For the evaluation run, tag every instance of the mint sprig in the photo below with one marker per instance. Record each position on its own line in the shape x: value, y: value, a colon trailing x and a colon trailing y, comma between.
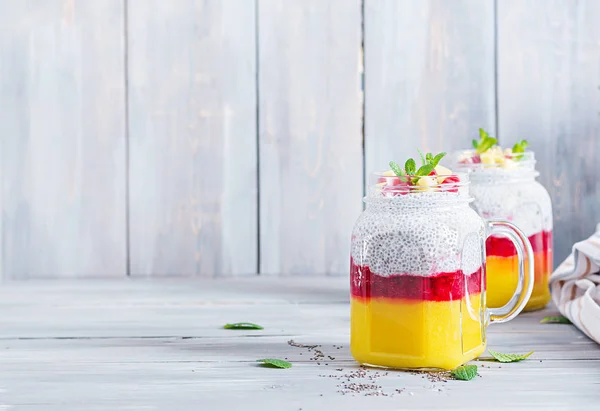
x: 275, y: 363
x: 555, y: 320
x: 242, y: 326
x: 397, y: 169
x: 410, y: 166
x: 429, y: 162
x: 464, y: 373
x: 436, y: 160
x: 509, y: 357
x: 485, y: 142
x: 423, y: 161
x: 520, y: 146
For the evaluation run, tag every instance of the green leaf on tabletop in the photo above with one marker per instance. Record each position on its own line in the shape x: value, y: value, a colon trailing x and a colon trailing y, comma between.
x: 397, y: 169
x: 509, y: 357
x: 275, y: 363
x: 410, y: 166
x: 436, y: 160
x: 464, y: 373
x: 555, y: 320
x: 242, y: 326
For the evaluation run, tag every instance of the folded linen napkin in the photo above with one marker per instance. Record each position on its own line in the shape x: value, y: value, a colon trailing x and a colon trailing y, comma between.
x: 575, y: 286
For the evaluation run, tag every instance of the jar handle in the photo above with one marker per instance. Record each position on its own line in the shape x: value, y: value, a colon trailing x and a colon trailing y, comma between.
x: 526, y: 273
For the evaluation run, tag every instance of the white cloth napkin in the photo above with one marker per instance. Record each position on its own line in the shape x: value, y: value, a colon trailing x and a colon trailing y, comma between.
x: 575, y: 286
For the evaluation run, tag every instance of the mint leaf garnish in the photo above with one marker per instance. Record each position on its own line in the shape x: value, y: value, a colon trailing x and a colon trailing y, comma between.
x: 410, y: 166
x: 397, y: 169
x: 464, y: 373
x: 555, y: 320
x: 520, y: 146
x: 436, y: 160
x: 509, y: 357
x: 275, y: 363
x: 242, y: 326
x: 423, y: 161
x: 485, y: 142
x: 410, y: 173
x: 425, y: 170
x: 475, y: 143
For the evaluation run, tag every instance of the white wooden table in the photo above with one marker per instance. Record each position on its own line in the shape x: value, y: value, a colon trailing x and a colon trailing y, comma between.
x: 139, y: 344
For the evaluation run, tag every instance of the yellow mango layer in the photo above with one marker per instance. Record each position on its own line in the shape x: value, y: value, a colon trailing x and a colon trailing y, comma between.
x: 502, y: 277
x: 413, y: 334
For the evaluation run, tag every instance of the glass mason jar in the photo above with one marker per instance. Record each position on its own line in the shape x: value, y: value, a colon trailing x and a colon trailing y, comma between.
x: 513, y: 194
x: 418, y: 277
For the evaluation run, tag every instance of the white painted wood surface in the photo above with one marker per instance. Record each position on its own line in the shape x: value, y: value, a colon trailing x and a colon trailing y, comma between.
x: 429, y: 76
x: 158, y: 344
x: 192, y: 137
x: 62, y: 139
x: 309, y: 134
x: 549, y: 93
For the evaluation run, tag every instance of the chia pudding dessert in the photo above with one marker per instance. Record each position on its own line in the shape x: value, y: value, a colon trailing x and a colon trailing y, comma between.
x: 418, y: 286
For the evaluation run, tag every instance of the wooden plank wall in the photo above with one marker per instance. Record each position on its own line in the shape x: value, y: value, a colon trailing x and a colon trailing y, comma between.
x: 219, y: 137
x: 310, y: 134
x: 192, y: 137
x: 549, y: 93
x: 429, y: 81
x: 62, y: 139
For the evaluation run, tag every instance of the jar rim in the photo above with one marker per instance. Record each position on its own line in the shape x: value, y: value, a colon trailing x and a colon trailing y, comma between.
x: 391, y: 189
x: 462, y: 160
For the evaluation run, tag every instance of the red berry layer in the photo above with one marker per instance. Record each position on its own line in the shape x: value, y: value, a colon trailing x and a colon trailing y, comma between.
x: 503, y: 247
x: 365, y: 284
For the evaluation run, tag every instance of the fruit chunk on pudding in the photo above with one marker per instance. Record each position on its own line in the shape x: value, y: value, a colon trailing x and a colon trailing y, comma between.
x: 414, y: 321
x: 489, y: 155
x: 502, y: 270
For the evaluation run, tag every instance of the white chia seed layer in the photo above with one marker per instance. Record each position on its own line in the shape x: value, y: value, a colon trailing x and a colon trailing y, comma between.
x: 420, y: 235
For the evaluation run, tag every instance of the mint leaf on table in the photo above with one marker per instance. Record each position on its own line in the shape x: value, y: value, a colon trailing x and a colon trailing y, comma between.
x: 464, y: 373
x: 509, y: 357
x: 275, y: 363
x: 556, y: 320
x: 242, y: 326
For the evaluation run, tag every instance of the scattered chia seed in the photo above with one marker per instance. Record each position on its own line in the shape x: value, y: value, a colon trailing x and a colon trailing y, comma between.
x: 434, y: 376
x: 364, y: 381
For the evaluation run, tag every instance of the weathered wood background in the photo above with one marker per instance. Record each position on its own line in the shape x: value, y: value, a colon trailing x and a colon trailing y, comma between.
x: 219, y: 137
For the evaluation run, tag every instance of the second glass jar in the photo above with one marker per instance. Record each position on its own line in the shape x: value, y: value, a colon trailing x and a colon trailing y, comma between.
x: 513, y: 194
